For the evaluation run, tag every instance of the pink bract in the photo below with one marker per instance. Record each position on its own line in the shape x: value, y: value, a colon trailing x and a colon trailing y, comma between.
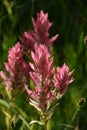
x: 16, y: 67
x: 40, y: 35
x: 62, y: 78
x: 41, y: 74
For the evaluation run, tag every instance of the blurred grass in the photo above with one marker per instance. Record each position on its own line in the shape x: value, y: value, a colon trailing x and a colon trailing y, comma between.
x: 70, y: 21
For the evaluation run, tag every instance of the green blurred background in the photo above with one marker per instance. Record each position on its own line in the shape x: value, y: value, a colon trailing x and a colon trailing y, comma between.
x: 69, y: 19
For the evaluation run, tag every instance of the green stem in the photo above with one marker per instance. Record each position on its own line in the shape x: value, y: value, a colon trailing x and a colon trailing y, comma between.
x: 45, y: 121
x: 45, y: 125
x: 9, y: 121
x: 75, y: 114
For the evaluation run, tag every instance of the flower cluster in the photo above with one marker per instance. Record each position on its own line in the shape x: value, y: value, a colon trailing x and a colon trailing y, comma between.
x: 16, y: 67
x: 41, y: 74
x: 40, y: 35
x: 62, y: 78
x: 50, y: 83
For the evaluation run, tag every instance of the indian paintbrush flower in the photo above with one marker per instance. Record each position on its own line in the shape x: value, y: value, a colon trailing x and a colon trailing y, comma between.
x: 16, y: 67
x: 41, y: 74
x: 40, y: 35
x: 50, y: 83
x: 62, y: 78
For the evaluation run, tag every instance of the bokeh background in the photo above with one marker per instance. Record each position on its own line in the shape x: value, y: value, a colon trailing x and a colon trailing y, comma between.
x: 69, y: 19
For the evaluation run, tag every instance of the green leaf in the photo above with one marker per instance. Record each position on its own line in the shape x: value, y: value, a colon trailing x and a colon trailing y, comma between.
x: 34, y: 121
x: 4, y: 103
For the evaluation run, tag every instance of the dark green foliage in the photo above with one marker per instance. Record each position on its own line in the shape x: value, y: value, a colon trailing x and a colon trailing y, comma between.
x: 70, y: 22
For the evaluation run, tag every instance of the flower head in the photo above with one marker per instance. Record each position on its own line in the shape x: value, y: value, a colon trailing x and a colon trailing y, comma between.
x: 62, y: 78
x: 43, y: 62
x: 41, y: 28
x: 41, y: 74
x: 40, y: 35
x: 16, y: 67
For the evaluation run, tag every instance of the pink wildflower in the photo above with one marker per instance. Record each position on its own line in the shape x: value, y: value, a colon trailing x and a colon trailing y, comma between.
x: 16, y: 67
x: 62, y: 78
x: 41, y: 28
x: 40, y: 35
x: 29, y: 39
x: 43, y: 62
x: 42, y: 72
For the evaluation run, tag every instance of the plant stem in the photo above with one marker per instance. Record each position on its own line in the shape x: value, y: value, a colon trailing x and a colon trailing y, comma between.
x: 45, y: 125
x: 9, y: 119
x: 75, y: 114
x: 9, y: 122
